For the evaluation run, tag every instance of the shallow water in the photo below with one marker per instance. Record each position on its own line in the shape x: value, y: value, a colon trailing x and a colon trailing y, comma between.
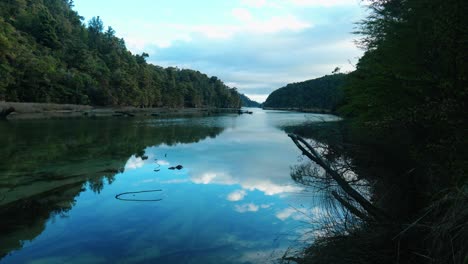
x: 232, y: 202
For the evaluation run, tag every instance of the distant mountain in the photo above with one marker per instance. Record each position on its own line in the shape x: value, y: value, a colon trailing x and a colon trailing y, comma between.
x: 247, y: 102
x: 321, y: 94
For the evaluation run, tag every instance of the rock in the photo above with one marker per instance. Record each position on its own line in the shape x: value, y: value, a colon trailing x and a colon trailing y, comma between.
x: 178, y: 167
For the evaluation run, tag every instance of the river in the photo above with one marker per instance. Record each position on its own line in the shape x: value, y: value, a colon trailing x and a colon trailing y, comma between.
x: 231, y: 200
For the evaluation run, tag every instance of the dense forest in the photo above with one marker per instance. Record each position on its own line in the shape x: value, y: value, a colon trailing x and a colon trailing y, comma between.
x: 323, y: 93
x: 48, y: 54
x: 247, y: 102
x: 406, y: 110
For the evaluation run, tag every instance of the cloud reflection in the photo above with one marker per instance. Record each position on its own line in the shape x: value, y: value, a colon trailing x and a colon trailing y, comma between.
x: 237, y: 195
x: 244, y: 208
x: 213, y: 178
x: 302, y: 214
x: 163, y: 162
x: 134, y: 163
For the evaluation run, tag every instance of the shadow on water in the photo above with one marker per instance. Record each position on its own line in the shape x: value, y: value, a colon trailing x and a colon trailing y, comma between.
x: 45, y: 164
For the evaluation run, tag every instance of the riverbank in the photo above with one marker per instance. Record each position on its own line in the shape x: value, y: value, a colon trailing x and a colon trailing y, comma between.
x: 15, y: 111
x: 301, y: 110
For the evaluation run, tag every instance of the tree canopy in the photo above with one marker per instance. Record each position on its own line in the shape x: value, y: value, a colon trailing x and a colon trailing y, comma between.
x: 48, y: 54
x: 411, y: 86
x: 247, y: 102
x: 323, y: 93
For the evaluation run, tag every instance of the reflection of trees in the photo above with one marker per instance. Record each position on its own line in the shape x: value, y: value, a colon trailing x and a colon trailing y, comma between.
x: 25, y: 219
x: 45, y: 164
x: 332, y: 174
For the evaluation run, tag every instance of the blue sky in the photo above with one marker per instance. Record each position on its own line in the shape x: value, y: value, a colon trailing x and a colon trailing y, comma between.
x: 254, y: 45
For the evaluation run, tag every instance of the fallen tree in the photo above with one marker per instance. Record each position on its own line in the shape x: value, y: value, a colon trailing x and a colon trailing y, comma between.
x: 371, y: 211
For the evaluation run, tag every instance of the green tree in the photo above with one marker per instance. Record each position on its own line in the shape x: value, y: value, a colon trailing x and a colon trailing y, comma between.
x: 47, y: 54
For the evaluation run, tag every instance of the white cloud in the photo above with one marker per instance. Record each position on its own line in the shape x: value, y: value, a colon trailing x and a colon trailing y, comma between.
x: 247, y: 208
x: 242, y: 14
x: 254, y: 3
x: 237, y: 195
x: 260, y: 98
x: 323, y: 3
x: 247, y: 24
x: 139, y: 40
x: 164, y: 35
x: 275, y: 24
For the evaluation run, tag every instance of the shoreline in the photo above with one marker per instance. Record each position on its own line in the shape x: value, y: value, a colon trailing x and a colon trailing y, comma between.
x: 301, y: 110
x: 25, y: 111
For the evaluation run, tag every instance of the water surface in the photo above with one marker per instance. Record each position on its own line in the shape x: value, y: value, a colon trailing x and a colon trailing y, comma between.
x: 232, y: 202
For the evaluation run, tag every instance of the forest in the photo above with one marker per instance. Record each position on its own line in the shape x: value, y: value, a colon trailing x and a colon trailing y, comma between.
x: 247, y: 102
x: 406, y: 133
x: 49, y: 54
x: 325, y: 93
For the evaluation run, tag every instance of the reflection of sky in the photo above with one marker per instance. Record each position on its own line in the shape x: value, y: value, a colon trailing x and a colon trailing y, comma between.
x: 230, y: 202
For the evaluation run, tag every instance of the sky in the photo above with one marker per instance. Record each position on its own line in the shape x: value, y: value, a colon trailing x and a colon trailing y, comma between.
x: 256, y: 46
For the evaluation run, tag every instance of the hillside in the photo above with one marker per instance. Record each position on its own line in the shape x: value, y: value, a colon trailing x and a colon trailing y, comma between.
x: 247, y: 102
x: 323, y: 93
x: 48, y: 54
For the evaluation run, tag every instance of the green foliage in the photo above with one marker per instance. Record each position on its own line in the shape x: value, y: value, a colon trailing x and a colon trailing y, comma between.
x: 48, y: 55
x: 407, y: 104
x: 410, y: 89
x: 323, y: 93
x: 245, y: 101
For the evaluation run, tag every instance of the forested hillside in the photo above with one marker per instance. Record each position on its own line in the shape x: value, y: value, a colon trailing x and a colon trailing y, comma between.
x: 48, y: 54
x: 247, y: 102
x: 323, y: 93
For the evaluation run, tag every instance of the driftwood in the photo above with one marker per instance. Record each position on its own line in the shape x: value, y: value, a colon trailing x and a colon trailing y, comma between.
x: 313, y: 155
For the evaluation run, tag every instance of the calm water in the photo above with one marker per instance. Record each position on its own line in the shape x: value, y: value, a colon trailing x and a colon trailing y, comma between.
x: 232, y: 202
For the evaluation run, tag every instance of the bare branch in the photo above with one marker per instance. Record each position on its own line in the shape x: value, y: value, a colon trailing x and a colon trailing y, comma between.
x: 350, y: 207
